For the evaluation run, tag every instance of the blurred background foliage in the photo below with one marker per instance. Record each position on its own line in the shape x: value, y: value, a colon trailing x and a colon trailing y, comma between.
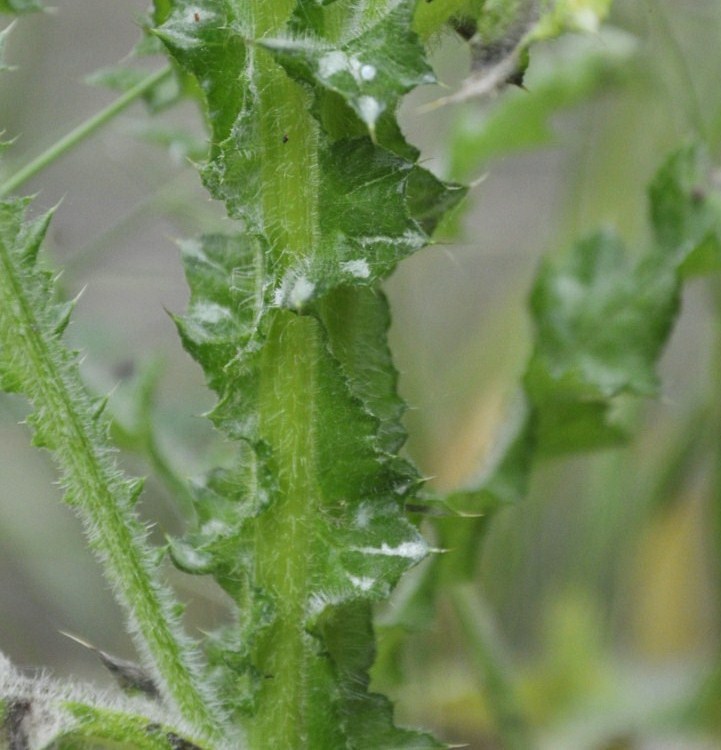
x: 597, y: 598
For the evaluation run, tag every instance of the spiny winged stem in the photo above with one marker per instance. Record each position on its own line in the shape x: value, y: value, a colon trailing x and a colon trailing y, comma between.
x: 284, y: 533
x: 309, y: 528
x: 291, y: 331
x: 36, y: 363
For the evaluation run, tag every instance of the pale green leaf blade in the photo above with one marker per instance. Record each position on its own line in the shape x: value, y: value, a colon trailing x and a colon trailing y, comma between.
x: 577, y: 69
x: 582, y: 374
x: 20, y: 6
x: 580, y: 368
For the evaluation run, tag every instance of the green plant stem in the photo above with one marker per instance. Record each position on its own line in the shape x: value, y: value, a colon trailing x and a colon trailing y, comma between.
x: 286, y: 652
x: 714, y: 410
x: 675, y: 49
x: 490, y: 663
x: 284, y: 535
x: 704, y: 708
x: 99, y: 493
x: 166, y: 472
x: 82, y: 132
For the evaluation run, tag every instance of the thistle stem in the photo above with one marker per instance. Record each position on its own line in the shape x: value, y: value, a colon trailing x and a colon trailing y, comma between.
x: 82, y: 131
x: 490, y: 663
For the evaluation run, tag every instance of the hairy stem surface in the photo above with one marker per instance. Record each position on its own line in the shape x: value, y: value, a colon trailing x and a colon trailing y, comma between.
x: 65, y: 422
x: 283, y: 533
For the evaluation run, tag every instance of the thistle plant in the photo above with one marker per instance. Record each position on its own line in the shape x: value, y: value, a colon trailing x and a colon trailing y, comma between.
x: 318, y: 515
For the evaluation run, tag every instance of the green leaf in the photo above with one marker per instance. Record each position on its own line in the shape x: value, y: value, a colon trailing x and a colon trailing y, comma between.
x: 521, y: 119
x: 161, y: 9
x: 226, y: 333
x: 357, y: 322
x: 20, y: 6
x: 360, y: 244
x: 601, y: 322
x: 366, y: 717
x: 306, y: 526
x: 355, y: 244
x: 347, y: 503
x: 371, y: 67
x: 213, y: 49
x: 685, y: 209
x: 579, y: 368
x: 571, y: 15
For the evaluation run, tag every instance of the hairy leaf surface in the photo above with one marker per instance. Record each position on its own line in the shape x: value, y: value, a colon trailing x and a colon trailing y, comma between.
x: 346, y: 538
x: 353, y: 243
x: 307, y: 527
x: 371, y: 66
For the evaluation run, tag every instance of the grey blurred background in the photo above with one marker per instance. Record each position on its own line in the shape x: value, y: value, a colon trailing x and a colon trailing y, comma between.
x: 608, y: 600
